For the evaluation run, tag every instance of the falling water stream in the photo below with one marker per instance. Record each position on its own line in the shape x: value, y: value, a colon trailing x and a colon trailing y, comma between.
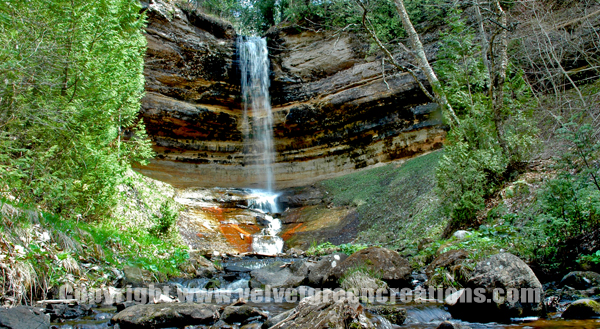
x: 257, y: 127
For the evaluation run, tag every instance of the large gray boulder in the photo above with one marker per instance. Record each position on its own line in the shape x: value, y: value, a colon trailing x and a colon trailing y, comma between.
x: 166, y: 315
x: 280, y: 275
x: 319, y: 272
x: 23, y: 317
x: 327, y: 309
x: 388, y: 264
x: 503, y: 273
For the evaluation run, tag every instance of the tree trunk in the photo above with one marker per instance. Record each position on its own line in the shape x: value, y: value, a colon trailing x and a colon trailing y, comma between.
x: 499, y: 59
x: 417, y: 48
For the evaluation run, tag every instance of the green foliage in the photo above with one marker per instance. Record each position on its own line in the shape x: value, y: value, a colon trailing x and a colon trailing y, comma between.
x: 257, y: 16
x: 71, y: 79
x: 592, y: 258
x: 328, y: 248
x: 350, y: 248
x: 474, y: 164
x: 569, y: 204
x: 42, y: 251
x: 164, y: 223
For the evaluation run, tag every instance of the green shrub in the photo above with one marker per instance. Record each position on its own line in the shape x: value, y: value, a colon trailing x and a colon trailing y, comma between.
x: 164, y: 223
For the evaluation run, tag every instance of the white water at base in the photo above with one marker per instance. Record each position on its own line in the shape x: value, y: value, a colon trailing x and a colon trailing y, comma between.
x: 266, y: 242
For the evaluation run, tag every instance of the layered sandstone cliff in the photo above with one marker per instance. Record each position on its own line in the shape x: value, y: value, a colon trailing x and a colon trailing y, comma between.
x: 334, y: 111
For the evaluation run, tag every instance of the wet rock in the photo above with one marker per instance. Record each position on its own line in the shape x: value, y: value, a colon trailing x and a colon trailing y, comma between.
x: 202, y: 266
x: 278, y: 275
x: 166, y: 315
x: 23, y: 317
x: 582, y: 309
x: 394, y: 314
x: 124, y: 305
x: 447, y: 259
x: 243, y: 314
x: 581, y: 280
x: 237, y: 269
x: 502, y: 271
x: 393, y: 269
x: 452, y: 325
x: 276, y: 319
x: 327, y: 309
x: 319, y: 272
x: 66, y: 311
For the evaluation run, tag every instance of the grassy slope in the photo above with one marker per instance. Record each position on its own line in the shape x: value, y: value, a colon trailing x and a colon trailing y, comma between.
x: 40, y: 251
x: 396, y: 202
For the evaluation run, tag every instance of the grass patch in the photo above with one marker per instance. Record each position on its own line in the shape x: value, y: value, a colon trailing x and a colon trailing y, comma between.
x: 396, y: 203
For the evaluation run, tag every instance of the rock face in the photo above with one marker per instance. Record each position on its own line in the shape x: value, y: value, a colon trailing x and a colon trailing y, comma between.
x: 326, y: 310
x: 507, y: 272
x: 393, y: 269
x: 333, y: 111
x: 166, y: 315
x: 23, y: 317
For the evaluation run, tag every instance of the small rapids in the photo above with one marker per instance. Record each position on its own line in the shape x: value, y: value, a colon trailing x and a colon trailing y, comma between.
x: 266, y: 242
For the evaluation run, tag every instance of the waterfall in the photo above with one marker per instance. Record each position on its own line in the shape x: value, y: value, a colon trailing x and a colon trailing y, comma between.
x: 254, y: 67
x: 258, y: 138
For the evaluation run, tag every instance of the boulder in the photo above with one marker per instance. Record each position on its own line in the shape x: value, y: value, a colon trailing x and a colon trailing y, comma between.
x: 503, y: 271
x: 582, y: 309
x: 393, y: 269
x: 66, y: 311
x: 396, y: 315
x: 277, y: 318
x: 319, y: 272
x: 242, y: 314
x: 279, y: 275
x: 447, y: 259
x: 23, y: 317
x: 203, y: 266
x: 135, y: 276
x: 166, y: 315
x: 327, y: 309
x: 581, y: 280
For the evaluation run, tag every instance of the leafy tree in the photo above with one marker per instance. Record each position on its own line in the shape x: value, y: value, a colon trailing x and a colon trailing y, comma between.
x: 474, y: 162
x: 71, y: 77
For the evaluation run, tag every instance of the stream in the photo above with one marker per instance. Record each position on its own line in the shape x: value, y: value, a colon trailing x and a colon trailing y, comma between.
x: 236, y: 276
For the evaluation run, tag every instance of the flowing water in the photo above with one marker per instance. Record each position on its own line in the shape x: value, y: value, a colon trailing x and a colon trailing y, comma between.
x: 257, y: 122
x: 259, y: 151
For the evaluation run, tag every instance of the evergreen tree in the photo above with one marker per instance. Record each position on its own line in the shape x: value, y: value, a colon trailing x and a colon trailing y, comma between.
x: 71, y: 77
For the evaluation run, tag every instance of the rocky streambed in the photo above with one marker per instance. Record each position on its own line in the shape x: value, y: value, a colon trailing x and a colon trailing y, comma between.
x: 296, y: 291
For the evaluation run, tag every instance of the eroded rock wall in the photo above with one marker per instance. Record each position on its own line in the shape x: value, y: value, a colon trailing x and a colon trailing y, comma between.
x: 333, y: 110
